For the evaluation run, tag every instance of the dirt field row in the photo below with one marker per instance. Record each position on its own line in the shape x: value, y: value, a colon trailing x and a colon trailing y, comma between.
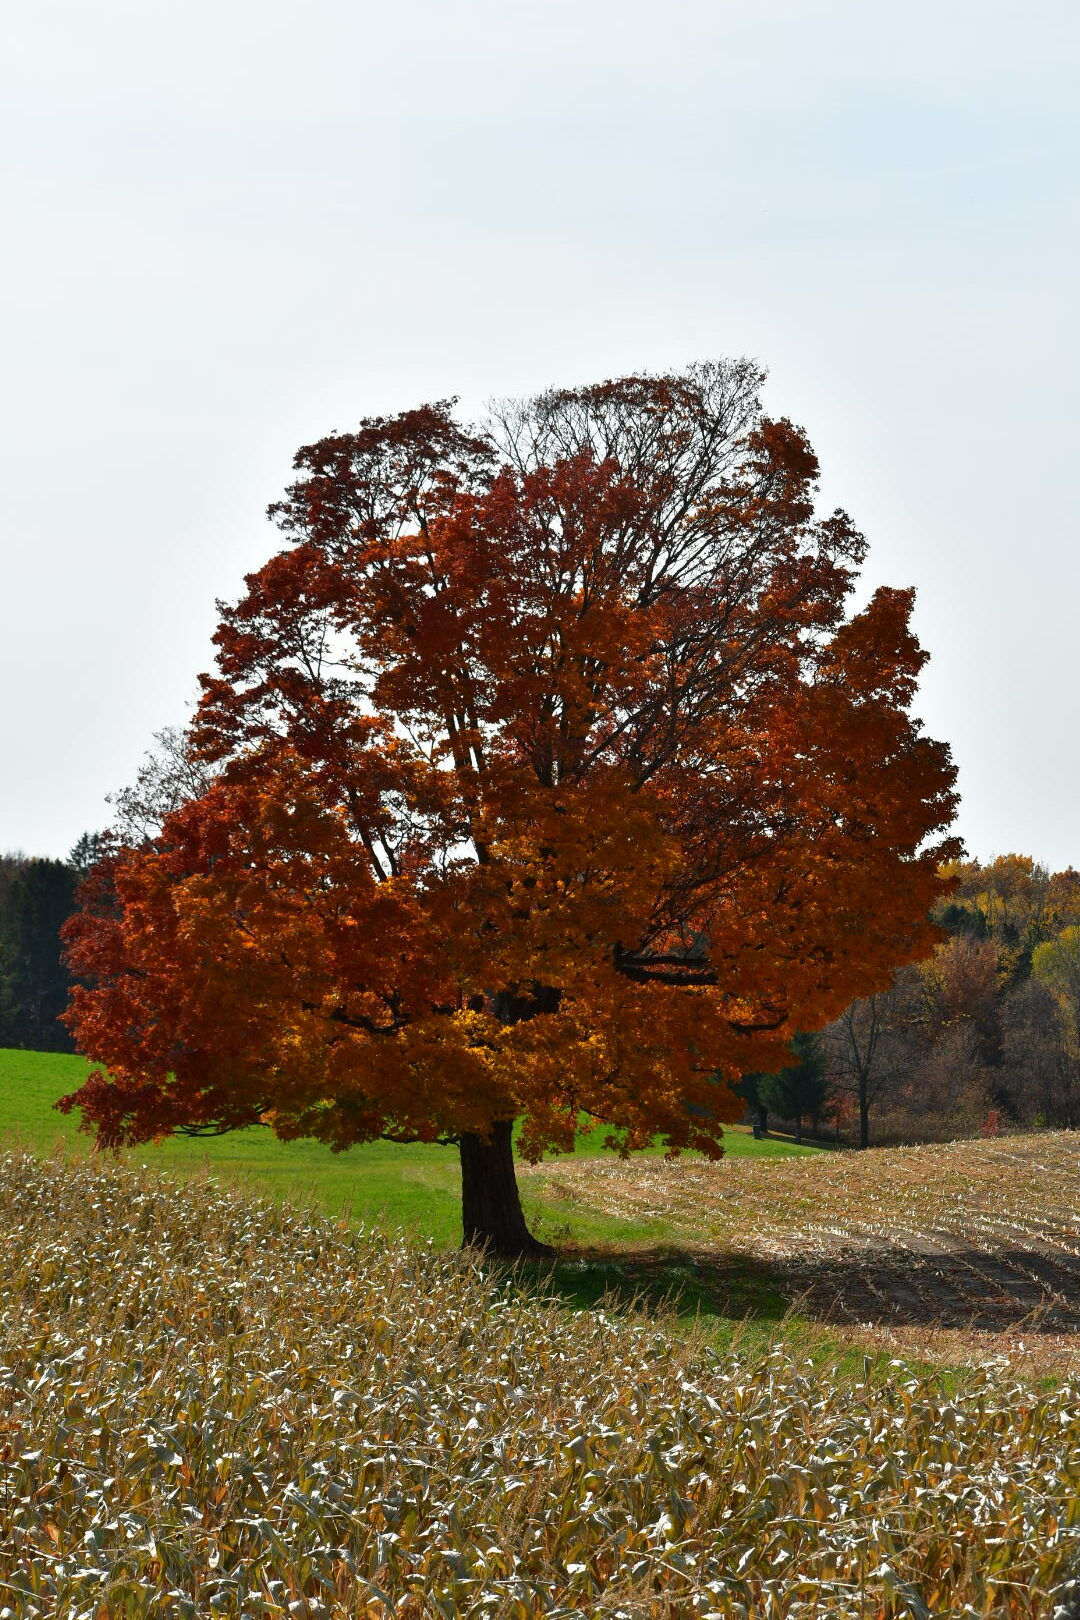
x: 976, y: 1238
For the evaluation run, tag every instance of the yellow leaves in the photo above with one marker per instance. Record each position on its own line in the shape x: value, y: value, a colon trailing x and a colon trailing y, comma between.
x: 1056, y: 964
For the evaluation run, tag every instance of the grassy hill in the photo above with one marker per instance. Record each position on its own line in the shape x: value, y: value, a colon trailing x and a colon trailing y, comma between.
x: 212, y: 1405
x: 415, y: 1188
x: 944, y: 1253
x: 211, y: 1402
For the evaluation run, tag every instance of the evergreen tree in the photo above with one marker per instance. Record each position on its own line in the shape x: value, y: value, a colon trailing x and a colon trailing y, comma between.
x: 798, y: 1092
x: 749, y: 1090
x: 89, y: 849
x: 34, y: 983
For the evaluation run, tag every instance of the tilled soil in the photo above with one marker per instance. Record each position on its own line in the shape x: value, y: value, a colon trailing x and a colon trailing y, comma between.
x: 980, y: 1238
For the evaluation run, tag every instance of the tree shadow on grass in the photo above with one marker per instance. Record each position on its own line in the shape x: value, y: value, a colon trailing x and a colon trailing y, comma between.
x: 878, y: 1285
x: 669, y: 1280
x: 985, y: 1290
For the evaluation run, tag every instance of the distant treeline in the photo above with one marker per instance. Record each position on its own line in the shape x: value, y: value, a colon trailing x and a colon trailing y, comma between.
x: 983, y: 1034
x: 986, y: 1032
x: 36, y: 898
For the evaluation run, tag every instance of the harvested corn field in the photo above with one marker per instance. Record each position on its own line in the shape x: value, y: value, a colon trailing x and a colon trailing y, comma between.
x: 980, y: 1239
x: 211, y: 1406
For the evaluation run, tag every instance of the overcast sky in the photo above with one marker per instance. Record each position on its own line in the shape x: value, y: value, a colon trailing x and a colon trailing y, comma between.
x: 230, y: 228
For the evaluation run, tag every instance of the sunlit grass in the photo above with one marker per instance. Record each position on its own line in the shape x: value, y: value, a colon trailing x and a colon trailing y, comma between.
x: 417, y: 1190
x: 412, y: 1188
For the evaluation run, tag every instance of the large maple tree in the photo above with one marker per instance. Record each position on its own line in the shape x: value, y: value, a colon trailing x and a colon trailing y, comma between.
x: 552, y: 783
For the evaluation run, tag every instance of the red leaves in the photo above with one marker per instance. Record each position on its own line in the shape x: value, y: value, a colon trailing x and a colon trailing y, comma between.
x: 547, y: 789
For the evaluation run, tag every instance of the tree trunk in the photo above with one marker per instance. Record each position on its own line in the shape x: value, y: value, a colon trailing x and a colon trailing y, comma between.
x: 491, y: 1210
x: 864, y: 1112
x: 798, y: 1129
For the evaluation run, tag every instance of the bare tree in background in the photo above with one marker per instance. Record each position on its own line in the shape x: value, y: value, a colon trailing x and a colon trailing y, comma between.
x: 169, y: 776
x: 866, y: 1048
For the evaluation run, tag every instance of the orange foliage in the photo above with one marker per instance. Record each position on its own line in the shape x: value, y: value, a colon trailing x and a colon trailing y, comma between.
x: 552, y: 782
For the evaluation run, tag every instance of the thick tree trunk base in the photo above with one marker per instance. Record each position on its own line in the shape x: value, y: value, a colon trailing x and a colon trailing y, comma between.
x: 491, y: 1213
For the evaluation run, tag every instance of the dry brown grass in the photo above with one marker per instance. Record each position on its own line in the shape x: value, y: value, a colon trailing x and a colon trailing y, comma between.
x: 210, y: 1406
x: 968, y: 1249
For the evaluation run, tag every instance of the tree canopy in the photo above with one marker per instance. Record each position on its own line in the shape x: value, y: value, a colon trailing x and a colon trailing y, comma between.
x: 545, y: 778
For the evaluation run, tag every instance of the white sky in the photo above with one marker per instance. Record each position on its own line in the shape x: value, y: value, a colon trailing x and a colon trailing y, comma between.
x: 229, y: 228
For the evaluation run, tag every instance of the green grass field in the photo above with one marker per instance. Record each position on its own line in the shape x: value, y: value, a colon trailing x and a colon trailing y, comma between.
x: 414, y: 1188
x: 685, y: 1240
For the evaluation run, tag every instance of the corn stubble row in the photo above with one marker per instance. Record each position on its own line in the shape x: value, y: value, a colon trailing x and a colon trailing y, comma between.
x: 209, y: 1406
